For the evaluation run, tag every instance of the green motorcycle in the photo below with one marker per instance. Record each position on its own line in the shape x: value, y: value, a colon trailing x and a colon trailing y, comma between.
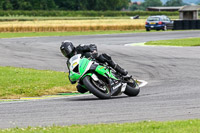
x: 100, y: 79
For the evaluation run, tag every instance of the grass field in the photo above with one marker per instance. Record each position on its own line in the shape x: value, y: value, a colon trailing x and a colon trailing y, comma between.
x: 22, y: 82
x: 176, y: 42
x: 189, y: 126
x: 71, y: 25
x: 102, y: 22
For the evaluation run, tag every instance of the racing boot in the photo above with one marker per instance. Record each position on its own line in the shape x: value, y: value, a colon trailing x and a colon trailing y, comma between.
x: 107, y: 58
x: 120, y: 70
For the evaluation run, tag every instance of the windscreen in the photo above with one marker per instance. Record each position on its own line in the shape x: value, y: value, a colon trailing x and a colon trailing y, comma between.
x: 74, y: 58
x: 153, y: 19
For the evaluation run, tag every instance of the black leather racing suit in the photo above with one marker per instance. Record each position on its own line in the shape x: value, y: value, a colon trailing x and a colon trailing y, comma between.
x: 91, y: 50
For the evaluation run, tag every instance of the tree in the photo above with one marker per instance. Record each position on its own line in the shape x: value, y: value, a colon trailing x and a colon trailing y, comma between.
x: 111, y: 4
x: 41, y: 4
x: 6, y: 4
x: 83, y: 5
x: 135, y: 7
x: 63, y: 4
x: 21, y: 4
x: 91, y: 5
x: 174, y: 3
x: 149, y: 3
x: 101, y: 5
x: 51, y: 5
x: 1, y: 5
x: 66, y: 4
x: 123, y: 4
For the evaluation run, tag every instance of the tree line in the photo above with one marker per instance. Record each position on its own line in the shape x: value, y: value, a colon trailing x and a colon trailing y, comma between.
x: 75, y: 5
x: 156, y: 3
x: 63, y: 4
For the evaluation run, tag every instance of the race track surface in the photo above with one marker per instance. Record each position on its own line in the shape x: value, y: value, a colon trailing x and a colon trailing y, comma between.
x: 172, y: 73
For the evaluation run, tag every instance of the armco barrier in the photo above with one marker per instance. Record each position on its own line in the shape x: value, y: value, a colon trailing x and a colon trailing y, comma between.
x: 186, y: 24
x: 198, y: 24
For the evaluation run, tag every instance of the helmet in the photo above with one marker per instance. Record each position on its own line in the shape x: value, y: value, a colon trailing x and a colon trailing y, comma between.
x: 67, y: 49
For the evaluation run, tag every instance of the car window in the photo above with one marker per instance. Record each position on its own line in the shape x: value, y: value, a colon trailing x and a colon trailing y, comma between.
x: 167, y: 19
x: 153, y: 19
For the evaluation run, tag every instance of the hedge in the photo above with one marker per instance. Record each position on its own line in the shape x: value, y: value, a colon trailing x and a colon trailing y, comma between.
x: 84, y: 13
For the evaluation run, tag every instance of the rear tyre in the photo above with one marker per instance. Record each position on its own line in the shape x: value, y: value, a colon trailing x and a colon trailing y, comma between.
x: 99, y: 91
x: 147, y: 29
x: 132, y: 89
x: 165, y: 28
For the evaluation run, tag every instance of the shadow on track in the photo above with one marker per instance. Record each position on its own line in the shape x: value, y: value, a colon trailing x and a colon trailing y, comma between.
x: 93, y: 98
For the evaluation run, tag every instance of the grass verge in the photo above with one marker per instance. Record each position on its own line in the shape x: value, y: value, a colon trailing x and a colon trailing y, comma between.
x: 176, y: 42
x: 189, y: 126
x: 23, y: 82
x: 38, y: 34
x: 29, y: 18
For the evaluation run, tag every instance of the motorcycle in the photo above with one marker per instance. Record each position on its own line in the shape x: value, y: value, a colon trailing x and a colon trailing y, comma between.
x: 100, y: 79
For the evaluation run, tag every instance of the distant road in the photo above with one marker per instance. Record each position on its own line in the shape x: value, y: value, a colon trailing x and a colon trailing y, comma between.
x: 172, y: 73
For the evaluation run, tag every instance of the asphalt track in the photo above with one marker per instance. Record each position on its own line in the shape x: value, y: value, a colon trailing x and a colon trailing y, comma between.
x: 172, y: 73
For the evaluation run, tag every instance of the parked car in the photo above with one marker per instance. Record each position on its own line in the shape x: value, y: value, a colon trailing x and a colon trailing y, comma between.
x: 158, y: 23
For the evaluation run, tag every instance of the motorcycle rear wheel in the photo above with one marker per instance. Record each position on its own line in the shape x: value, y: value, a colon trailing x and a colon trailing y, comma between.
x: 132, y: 89
x: 89, y: 83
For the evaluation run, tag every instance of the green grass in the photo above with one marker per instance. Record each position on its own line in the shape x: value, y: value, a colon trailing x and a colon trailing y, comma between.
x: 37, y: 34
x: 22, y: 82
x: 189, y: 126
x: 176, y: 42
x: 28, y: 18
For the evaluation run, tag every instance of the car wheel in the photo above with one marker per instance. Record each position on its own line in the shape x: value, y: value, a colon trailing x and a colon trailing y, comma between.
x: 165, y: 28
x: 147, y: 29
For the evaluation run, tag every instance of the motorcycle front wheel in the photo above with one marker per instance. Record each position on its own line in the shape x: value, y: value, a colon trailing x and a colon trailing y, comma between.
x: 97, y: 88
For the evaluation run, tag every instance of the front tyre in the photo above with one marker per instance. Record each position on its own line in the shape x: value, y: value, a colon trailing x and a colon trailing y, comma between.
x: 132, y: 89
x: 95, y: 88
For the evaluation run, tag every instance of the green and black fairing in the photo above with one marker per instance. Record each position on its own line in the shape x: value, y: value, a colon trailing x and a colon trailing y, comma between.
x: 105, y: 74
x: 81, y: 67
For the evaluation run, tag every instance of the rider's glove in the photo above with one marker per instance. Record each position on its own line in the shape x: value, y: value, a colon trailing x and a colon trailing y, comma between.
x: 93, y: 48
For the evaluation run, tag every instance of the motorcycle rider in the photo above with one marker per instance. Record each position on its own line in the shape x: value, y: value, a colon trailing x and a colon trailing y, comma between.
x: 68, y: 50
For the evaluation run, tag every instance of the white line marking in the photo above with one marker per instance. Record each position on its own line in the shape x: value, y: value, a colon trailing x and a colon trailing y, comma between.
x: 135, y: 44
x: 143, y: 44
x: 143, y: 83
x: 60, y: 97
